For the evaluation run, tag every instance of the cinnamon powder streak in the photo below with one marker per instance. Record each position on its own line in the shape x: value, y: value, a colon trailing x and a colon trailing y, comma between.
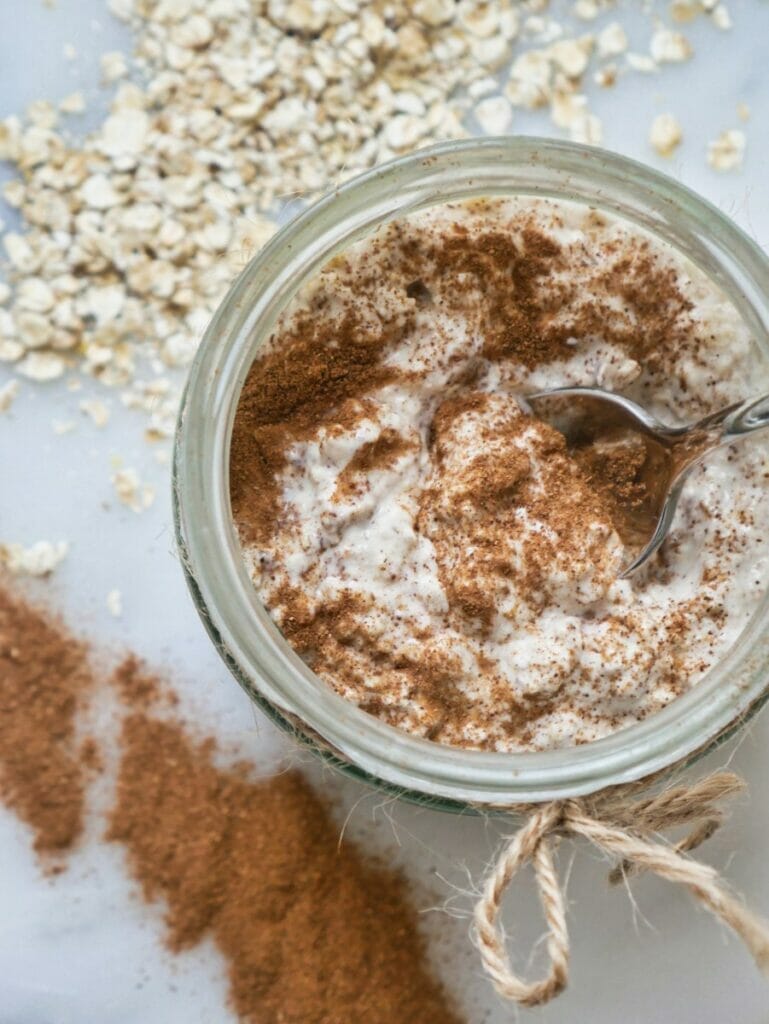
x: 44, y: 681
x: 438, y: 556
x: 311, y: 932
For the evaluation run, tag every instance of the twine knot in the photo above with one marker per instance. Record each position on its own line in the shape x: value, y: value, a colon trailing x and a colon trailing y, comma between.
x: 627, y: 828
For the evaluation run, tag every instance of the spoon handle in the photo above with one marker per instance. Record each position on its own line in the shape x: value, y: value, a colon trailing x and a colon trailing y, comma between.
x: 735, y: 421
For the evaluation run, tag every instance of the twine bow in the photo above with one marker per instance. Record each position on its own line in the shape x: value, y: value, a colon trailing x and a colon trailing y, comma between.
x: 626, y: 828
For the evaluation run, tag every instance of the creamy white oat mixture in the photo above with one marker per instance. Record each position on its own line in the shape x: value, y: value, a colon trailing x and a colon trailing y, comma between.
x: 431, y: 550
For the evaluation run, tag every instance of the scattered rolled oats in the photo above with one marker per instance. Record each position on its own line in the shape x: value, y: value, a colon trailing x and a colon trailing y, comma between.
x: 434, y: 12
x: 96, y: 409
x: 10, y: 350
x: 40, y: 559
x: 178, y: 350
x: 115, y: 603
x: 35, y: 295
x: 641, y: 62
x: 587, y: 129
x: 404, y: 131
x: 571, y: 56
x: 131, y: 491
x: 727, y: 152
x: 494, y: 115
x: 13, y: 193
x: 20, y: 253
x: 665, y: 134
x: 73, y: 104
x: 567, y: 108
x: 8, y: 393
x: 587, y: 10
x: 530, y: 80
x: 606, y: 76
x: 482, y: 87
x: 479, y: 18
x: 721, y: 17
x: 612, y: 40
x: 113, y: 66
x: 98, y: 192
x: 684, y: 11
x: 61, y: 427
x: 35, y: 330
x: 41, y: 366
x: 670, y: 47
x: 8, y: 327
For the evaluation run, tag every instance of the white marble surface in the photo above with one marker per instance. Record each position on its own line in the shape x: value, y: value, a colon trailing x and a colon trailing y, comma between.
x: 81, y: 950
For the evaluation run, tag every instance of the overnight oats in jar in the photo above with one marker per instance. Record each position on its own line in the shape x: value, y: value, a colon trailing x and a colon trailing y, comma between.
x: 435, y: 553
x: 410, y: 566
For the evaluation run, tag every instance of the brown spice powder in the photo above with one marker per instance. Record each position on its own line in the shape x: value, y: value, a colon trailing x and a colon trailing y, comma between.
x: 530, y: 301
x: 512, y: 274
x: 44, y: 683
x: 324, y: 363
x: 311, y: 932
x: 382, y: 453
x: 328, y: 355
x: 627, y: 474
x: 526, y: 284
x: 138, y: 688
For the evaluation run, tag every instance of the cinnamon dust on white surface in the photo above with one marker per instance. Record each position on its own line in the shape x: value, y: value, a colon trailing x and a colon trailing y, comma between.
x: 45, y: 681
x: 310, y: 930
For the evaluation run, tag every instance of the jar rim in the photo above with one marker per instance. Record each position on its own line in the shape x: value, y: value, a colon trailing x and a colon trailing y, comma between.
x: 246, y: 636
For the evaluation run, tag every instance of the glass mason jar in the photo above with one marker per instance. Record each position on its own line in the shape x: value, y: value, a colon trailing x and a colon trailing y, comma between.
x: 240, y: 626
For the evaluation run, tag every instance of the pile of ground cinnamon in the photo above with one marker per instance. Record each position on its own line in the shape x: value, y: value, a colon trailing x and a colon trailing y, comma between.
x: 44, y: 682
x: 311, y: 932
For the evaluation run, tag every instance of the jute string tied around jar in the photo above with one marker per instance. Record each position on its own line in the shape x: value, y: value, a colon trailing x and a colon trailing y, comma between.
x: 627, y: 827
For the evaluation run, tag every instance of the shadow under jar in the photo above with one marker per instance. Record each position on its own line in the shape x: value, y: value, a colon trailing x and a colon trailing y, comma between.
x: 249, y: 641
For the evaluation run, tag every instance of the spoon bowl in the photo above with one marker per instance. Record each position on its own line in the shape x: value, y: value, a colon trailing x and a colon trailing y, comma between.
x: 601, y: 426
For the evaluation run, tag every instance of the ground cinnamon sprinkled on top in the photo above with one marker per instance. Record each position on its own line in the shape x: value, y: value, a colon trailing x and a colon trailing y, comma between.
x: 328, y: 360
x: 334, y: 349
x: 627, y: 473
x: 437, y: 555
x: 383, y: 453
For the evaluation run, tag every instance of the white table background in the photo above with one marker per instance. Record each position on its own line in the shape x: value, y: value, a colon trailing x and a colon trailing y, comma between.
x: 82, y: 949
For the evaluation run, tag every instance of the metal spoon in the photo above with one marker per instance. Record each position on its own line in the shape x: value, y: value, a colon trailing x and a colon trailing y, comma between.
x: 588, y: 416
